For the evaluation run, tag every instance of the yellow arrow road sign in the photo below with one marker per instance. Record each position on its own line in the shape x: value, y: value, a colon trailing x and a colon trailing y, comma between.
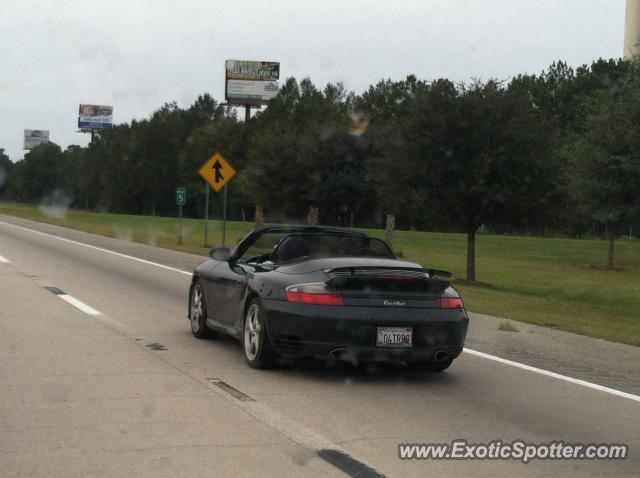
x: 217, y: 171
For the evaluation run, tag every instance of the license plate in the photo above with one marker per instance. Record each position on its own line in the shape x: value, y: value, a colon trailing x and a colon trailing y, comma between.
x: 395, y: 337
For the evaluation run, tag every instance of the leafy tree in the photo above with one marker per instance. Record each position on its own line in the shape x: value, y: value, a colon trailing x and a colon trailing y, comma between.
x: 489, y: 165
x: 409, y: 135
x: 73, y: 158
x: 559, y: 93
x: 39, y: 173
x: 603, y: 172
x: 301, y: 154
x: 6, y: 168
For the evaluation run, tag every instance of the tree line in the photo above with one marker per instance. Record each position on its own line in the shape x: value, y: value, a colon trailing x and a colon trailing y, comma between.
x: 557, y: 153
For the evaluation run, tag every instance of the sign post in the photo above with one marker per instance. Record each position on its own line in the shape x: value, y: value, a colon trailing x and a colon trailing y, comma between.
x: 217, y: 172
x: 224, y: 217
x: 181, y: 200
x: 206, y: 214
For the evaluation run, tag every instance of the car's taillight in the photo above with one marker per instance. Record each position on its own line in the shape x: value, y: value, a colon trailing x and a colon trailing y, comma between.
x: 317, y: 293
x: 451, y: 303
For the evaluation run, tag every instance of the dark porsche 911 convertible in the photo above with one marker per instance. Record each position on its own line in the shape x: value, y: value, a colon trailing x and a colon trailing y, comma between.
x: 310, y: 291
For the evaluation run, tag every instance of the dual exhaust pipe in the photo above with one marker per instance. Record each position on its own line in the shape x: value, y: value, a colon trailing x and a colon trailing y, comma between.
x: 338, y: 353
x: 439, y: 355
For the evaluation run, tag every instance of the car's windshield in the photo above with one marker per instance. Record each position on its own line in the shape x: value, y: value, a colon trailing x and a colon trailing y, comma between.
x: 279, y: 247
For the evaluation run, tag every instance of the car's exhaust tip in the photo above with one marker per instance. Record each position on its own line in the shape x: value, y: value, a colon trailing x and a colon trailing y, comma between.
x: 441, y: 356
x: 338, y: 353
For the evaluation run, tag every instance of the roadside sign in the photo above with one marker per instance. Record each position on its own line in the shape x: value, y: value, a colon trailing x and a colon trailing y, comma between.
x: 181, y: 196
x: 217, y: 171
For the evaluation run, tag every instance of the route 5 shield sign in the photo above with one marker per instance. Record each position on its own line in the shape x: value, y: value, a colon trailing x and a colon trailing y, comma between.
x: 181, y: 196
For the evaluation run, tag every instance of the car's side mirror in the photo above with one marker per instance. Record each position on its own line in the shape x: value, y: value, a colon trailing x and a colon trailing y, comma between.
x: 220, y: 254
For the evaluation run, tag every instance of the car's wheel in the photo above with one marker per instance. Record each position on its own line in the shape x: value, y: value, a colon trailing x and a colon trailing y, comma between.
x: 198, y: 313
x: 257, y: 347
x: 430, y: 366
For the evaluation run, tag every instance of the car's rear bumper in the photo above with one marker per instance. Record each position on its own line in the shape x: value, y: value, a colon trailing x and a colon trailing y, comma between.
x: 301, y: 330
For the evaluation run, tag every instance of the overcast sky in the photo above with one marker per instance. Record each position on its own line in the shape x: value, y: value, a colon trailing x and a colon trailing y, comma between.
x: 137, y: 55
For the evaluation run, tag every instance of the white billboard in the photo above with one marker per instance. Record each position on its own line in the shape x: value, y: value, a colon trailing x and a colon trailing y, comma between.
x: 251, y: 89
x: 34, y: 137
x: 92, y: 117
x: 251, y: 82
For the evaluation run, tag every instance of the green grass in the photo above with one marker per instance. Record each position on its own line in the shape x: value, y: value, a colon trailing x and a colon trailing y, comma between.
x: 151, y: 230
x: 548, y: 282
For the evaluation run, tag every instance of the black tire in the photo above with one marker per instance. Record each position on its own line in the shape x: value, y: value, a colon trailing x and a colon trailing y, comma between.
x: 430, y: 366
x: 255, y: 343
x: 198, y: 313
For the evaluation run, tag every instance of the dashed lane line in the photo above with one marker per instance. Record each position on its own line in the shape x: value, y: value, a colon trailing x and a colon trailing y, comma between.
x: 78, y: 304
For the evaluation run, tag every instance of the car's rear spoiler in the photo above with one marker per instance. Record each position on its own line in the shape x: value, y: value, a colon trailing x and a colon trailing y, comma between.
x: 388, y: 271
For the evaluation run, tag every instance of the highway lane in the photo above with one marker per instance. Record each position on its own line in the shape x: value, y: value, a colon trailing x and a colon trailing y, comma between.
x: 81, y: 397
x: 364, y: 411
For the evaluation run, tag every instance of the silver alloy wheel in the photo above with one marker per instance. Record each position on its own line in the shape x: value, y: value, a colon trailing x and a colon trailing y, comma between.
x: 196, y: 308
x: 252, y: 332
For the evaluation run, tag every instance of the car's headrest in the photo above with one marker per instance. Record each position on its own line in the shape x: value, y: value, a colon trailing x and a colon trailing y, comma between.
x: 292, y: 248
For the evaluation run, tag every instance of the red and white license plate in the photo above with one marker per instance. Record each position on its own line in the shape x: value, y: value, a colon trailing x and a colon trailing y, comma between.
x: 395, y: 337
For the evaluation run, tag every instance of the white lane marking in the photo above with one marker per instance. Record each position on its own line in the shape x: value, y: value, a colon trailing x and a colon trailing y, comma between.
x: 79, y: 304
x: 469, y: 351
x: 576, y: 381
x: 126, y: 256
x: 4, y: 260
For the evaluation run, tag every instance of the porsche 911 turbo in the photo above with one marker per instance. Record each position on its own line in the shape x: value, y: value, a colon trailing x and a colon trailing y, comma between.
x: 325, y: 292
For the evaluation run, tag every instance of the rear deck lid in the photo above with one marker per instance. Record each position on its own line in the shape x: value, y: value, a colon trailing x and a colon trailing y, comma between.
x: 390, y: 286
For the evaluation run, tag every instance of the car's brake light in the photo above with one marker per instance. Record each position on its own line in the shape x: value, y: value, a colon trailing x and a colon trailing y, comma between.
x: 318, y: 299
x: 395, y: 277
x: 451, y: 303
x: 317, y: 293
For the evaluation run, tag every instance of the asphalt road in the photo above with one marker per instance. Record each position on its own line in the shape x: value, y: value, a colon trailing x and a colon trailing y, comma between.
x: 116, y: 385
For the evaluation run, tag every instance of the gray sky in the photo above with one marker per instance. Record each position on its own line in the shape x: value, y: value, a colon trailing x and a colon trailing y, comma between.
x: 137, y: 55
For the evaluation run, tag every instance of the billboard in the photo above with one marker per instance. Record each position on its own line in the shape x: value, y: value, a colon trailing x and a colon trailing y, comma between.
x: 34, y: 137
x: 251, y: 82
x: 91, y: 117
